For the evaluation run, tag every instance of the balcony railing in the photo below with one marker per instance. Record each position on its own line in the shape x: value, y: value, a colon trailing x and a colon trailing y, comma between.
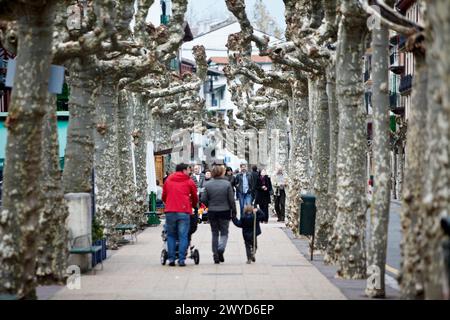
x: 393, y: 58
x: 393, y: 99
x: 405, y: 83
x: 394, y: 63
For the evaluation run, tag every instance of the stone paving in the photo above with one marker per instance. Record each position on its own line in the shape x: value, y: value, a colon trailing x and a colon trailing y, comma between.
x: 135, y: 272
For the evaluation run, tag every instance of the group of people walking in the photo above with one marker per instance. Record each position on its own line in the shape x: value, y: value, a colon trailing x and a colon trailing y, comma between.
x: 256, y: 188
x: 218, y: 189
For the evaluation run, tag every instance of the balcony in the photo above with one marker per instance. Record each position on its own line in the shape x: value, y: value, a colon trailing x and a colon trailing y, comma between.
x: 394, y: 63
x: 393, y: 99
x: 405, y: 84
x: 402, y: 42
x: 366, y: 76
x: 400, y: 111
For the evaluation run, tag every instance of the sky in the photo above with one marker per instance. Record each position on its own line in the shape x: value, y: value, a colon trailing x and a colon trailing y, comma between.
x: 199, y: 10
x: 203, y: 9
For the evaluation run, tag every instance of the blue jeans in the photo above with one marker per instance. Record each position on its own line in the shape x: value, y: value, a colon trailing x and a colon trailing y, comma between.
x: 177, y: 224
x: 244, y: 199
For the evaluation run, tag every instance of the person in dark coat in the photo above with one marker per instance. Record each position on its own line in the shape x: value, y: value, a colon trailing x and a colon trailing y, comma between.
x: 263, y: 193
x: 255, y: 176
x: 230, y: 177
x: 248, y: 224
x: 280, y: 194
x: 219, y: 198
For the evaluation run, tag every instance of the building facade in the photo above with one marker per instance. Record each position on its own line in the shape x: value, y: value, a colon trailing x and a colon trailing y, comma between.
x: 401, y: 77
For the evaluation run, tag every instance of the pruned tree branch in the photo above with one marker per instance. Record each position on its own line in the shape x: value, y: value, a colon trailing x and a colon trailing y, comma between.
x: 166, y: 50
x: 390, y: 18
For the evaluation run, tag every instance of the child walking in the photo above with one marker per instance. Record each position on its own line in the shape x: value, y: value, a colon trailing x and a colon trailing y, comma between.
x: 249, y: 223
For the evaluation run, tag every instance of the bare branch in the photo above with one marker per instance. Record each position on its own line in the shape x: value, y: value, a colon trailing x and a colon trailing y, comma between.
x: 170, y: 91
x: 176, y: 30
x: 392, y: 15
x: 144, y: 83
x: 140, y: 31
x: 91, y: 41
x: 270, y: 106
x: 385, y: 16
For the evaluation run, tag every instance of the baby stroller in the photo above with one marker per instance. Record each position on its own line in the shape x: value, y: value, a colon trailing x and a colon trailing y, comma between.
x: 193, y: 253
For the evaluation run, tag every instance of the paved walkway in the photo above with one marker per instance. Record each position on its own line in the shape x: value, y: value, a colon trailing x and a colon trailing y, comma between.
x: 134, y: 272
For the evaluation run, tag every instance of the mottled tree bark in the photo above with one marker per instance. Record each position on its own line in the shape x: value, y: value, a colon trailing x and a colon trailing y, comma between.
x: 298, y: 179
x: 106, y: 163
x: 141, y: 123
x: 437, y: 196
x: 79, y: 154
x: 22, y: 202
x: 127, y: 191
x: 349, y: 227
x: 332, y: 178
x: 410, y: 279
x: 321, y: 159
x: 379, y: 211
x: 53, y: 238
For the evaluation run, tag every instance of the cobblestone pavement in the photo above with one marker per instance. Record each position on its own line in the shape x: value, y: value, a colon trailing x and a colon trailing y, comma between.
x: 135, y: 272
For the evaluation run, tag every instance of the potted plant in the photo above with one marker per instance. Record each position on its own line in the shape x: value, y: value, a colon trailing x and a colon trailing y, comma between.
x: 98, y: 239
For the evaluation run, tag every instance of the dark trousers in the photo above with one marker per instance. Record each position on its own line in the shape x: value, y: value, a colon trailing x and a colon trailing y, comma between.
x: 249, y: 248
x: 280, y: 205
x: 264, y: 206
x: 219, y: 230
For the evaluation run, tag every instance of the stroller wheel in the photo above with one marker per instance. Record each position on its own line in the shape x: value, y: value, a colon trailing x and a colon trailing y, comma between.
x: 196, y: 256
x: 164, y: 257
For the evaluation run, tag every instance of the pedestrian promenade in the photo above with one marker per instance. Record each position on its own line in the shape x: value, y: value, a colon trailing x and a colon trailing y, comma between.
x: 135, y: 272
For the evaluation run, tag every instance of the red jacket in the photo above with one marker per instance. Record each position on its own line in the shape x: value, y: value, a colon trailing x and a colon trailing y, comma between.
x: 179, y: 193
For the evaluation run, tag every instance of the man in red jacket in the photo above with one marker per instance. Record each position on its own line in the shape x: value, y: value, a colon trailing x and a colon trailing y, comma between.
x: 179, y: 196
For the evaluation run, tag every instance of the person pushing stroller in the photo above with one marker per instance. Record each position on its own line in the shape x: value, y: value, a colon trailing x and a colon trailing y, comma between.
x: 180, y: 196
x: 193, y: 252
x: 249, y: 223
